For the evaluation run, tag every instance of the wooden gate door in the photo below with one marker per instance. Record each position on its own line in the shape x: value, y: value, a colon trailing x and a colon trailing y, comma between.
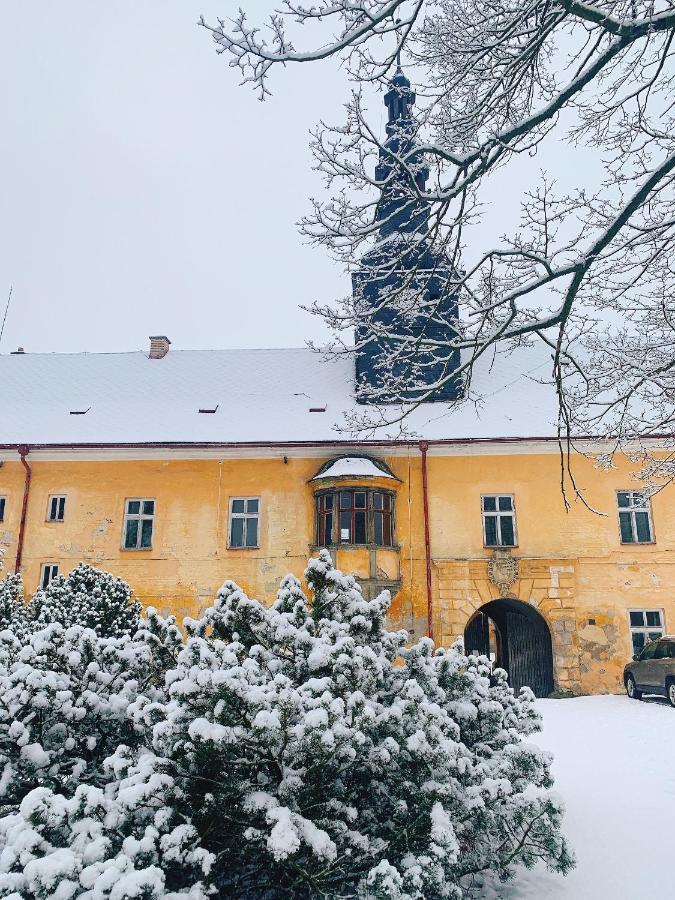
x: 530, y: 656
x: 477, y: 635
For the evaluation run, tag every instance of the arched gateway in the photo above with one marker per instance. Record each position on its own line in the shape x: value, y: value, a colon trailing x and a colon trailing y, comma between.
x: 517, y: 638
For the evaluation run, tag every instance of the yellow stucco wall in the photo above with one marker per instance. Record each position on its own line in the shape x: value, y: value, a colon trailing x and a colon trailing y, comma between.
x: 572, y: 566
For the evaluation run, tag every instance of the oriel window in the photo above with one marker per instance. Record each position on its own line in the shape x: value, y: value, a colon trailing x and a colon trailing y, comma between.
x: 355, y: 516
x: 139, y: 521
x: 499, y: 520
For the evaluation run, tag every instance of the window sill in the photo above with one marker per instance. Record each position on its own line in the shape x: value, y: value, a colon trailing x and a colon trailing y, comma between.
x: 346, y: 546
x: 136, y: 549
x: 638, y: 543
x: 243, y: 548
x: 500, y: 546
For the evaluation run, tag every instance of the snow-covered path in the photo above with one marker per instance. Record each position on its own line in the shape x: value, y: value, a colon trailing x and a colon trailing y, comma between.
x: 615, y: 768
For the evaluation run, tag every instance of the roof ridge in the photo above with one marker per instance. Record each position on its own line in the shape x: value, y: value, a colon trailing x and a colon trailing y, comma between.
x: 145, y: 352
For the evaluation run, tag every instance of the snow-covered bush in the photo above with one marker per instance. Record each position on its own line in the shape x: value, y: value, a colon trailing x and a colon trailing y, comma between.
x: 87, y: 597
x: 67, y: 702
x: 321, y: 758
x: 297, y: 751
x: 12, y: 605
x: 73, y: 662
x: 122, y: 841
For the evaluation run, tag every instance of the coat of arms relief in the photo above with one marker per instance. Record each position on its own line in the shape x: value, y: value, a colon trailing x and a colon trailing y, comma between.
x: 503, y: 570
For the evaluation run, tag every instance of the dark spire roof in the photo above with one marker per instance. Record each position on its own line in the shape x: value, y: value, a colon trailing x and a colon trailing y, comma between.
x: 398, y: 206
x: 399, y: 100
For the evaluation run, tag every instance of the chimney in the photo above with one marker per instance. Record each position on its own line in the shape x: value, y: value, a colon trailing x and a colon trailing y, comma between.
x: 159, y: 346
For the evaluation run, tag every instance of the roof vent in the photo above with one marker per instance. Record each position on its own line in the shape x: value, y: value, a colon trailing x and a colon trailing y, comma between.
x: 18, y: 350
x: 317, y: 408
x: 80, y: 412
x: 209, y: 409
x: 159, y: 346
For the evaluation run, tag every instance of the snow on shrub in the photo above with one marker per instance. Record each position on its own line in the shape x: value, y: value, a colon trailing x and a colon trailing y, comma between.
x: 12, y: 605
x: 122, y: 841
x: 322, y: 758
x: 296, y: 751
x: 68, y: 689
x: 87, y: 597
x: 66, y: 703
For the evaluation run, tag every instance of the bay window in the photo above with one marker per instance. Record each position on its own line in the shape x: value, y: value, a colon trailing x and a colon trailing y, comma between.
x: 355, y: 516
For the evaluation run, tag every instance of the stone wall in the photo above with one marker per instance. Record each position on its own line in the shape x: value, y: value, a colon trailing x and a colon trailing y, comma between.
x: 549, y: 585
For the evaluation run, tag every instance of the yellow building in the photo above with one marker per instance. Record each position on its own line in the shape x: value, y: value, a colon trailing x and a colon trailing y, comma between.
x: 179, y: 469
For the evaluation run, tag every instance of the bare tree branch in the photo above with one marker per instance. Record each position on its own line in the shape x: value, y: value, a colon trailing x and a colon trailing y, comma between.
x: 590, y: 273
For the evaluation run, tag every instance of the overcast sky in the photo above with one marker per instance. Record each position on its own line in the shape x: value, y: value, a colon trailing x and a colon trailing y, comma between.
x: 143, y: 191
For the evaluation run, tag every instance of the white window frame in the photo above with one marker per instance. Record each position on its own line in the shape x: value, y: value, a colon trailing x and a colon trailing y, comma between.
x: 646, y: 629
x: 646, y: 506
x: 139, y: 517
x: 497, y: 513
x: 60, y: 501
x: 245, y: 516
x: 48, y: 571
x: 3, y: 507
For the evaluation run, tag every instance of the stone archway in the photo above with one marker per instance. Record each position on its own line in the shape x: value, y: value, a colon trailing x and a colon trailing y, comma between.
x: 518, y: 639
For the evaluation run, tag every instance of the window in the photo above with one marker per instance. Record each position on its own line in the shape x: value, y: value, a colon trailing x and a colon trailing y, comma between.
x: 382, y: 509
x: 56, y: 508
x: 49, y: 571
x: 3, y: 501
x: 355, y: 516
x: 352, y: 528
x: 324, y: 523
x: 649, y: 652
x: 663, y: 650
x: 244, y: 521
x: 499, y: 520
x: 635, y: 520
x: 139, y: 519
x: 645, y: 625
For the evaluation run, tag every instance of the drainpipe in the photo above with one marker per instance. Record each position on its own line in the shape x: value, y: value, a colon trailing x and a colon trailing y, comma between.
x: 24, y: 449
x: 424, y: 446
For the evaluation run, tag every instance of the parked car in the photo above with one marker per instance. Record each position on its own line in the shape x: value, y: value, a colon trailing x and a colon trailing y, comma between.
x: 653, y: 671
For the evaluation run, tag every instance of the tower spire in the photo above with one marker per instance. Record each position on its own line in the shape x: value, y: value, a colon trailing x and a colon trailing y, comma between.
x: 399, y: 209
x: 399, y: 100
x: 405, y: 260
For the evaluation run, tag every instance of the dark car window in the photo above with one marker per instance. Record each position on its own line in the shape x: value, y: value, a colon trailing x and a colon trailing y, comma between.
x: 670, y: 652
x: 662, y: 650
x: 649, y: 651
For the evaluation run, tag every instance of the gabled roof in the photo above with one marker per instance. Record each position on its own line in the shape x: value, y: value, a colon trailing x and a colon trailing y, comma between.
x: 259, y: 396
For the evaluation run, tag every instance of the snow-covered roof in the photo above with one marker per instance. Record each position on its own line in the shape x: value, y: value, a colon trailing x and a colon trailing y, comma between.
x: 259, y: 396
x: 351, y: 467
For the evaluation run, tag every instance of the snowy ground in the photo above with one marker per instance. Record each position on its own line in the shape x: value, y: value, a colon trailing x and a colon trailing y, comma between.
x: 615, y: 768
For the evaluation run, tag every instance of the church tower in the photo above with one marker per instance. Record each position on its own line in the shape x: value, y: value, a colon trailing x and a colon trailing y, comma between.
x: 405, y: 285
